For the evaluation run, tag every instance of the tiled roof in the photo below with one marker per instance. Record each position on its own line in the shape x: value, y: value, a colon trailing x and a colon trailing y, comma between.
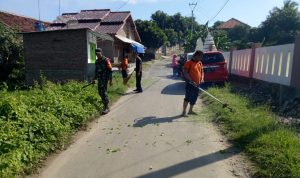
x: 99, y: 20
x: 230, y: 24
x: 65, y: 18
x: 91, y: 26
x: 24, y: 24
x: 93, y: 14
x: 109, y: 29
x: 84, y: 15
x: 116, y: 17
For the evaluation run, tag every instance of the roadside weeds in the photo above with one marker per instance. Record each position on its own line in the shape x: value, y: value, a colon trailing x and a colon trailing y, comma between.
x: 255, y: 130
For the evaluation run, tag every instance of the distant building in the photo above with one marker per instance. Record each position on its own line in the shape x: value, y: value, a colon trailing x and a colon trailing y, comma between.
x: 230, y: 24
x: 119, y: 25
x: 20, y: 23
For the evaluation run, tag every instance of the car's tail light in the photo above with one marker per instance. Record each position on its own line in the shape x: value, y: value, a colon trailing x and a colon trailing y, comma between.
x: 223, y: 65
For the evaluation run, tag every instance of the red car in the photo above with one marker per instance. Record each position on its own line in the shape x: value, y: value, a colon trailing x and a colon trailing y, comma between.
x: 215, y: 67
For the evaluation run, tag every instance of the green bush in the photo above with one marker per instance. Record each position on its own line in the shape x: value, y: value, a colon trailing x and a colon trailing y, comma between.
x: 275, y: 148
x: 40, y: 120
x: 11, y: 58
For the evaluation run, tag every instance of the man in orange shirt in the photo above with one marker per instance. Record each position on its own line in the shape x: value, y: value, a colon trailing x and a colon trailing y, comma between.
x: 193, y: 73
x: 123, y: 67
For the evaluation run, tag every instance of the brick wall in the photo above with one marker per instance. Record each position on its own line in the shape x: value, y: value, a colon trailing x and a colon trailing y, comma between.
x: 59, y: 55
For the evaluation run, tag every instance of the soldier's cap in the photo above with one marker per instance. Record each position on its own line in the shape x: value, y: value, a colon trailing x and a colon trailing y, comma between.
x: 98, y: 50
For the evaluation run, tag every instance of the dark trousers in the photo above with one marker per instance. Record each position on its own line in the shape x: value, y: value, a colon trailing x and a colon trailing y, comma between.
x: 175, y: 71
x: 191, y: 93
x: 138, y: 82
x: 102, y: 90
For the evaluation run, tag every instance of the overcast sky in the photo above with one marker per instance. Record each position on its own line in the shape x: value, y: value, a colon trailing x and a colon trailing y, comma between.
x: 252, y: 12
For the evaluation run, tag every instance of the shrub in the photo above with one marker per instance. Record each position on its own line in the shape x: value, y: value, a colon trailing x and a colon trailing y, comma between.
x: 35, y: 122
x: 275, y: 148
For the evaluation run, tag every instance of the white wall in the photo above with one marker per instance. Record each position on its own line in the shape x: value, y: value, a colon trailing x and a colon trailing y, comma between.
x: 241, y: 62
x: 274, y: 64
x: 227, y: 58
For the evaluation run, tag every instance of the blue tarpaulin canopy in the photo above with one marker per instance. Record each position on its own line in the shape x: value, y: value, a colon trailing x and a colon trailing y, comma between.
x: 136, y: 46
x: 139, y: 48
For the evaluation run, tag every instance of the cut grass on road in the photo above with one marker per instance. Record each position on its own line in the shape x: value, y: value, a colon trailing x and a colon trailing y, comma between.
x: 38, y: 121
x: 273, y: 147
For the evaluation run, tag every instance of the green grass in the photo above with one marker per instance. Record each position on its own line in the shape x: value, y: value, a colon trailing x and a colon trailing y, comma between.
x: 38, y: 121
x: 147, y: 64
x: 273, y: 147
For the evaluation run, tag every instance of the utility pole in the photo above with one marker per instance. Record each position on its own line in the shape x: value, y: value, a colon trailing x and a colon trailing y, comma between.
x: 192, y: 6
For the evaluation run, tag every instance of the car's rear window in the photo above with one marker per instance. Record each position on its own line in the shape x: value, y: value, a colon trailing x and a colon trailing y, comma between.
x: 209, y: 58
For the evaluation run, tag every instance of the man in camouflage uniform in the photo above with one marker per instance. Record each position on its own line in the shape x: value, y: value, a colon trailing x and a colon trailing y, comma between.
x: 103, y: 72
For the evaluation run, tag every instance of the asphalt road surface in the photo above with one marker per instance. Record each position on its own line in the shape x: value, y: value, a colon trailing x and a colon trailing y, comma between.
x: 144, y: 136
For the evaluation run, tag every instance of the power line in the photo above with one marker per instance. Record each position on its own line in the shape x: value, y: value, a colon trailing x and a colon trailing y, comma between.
x: 203, y: 11
x: 124, y: 4
x: 219, y: 11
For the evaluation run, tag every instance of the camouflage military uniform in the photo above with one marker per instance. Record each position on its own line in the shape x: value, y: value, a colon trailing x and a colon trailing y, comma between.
x: 103, y: 72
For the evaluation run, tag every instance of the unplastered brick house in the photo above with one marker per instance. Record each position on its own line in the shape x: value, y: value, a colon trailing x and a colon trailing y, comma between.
x: 61, y: 55
x: 119, y: 25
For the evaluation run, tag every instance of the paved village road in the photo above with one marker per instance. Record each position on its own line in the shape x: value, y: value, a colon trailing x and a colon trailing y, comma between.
x: 144, y: 136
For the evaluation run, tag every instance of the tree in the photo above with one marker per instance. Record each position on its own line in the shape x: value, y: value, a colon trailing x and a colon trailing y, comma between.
x: 152, y: 36
x: 180, y: 24
x: 161, y: 19
x: 11, y: 56
x: 172, y: 36
x: 221, y: 39
x: 239, y: 36
x: 282, y: 24
x: 255, y: 35
x: 239, y: 32
x: 217, y: 23
x: 191, y: 40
